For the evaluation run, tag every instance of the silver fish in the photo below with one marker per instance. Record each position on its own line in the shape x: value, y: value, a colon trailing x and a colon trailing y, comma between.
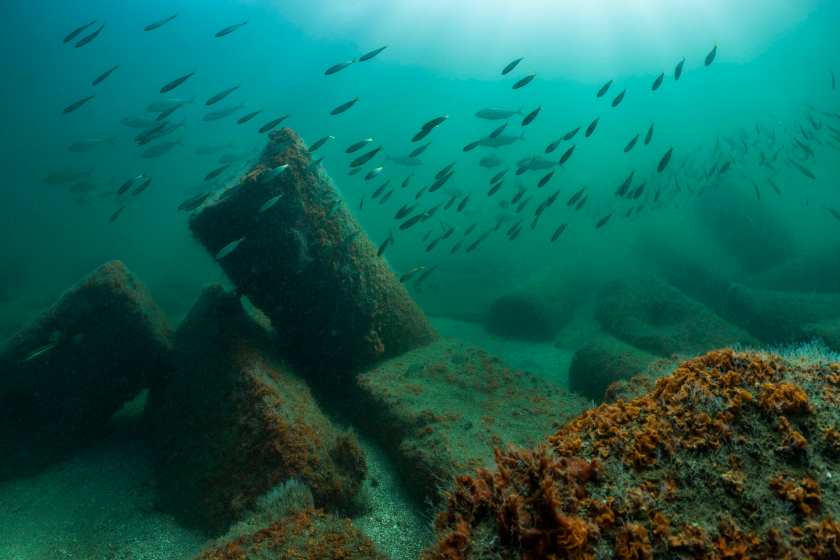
x: 169, y: 86
x: 160, y: 23
x: 219, y: 114
x: 75, y: 33
x: 221, y: 95
x: 167, y: 104
x: 88, y: 38
x: 270, y: 202
x: 500, y: 140
x: 159, y: 149
x: 229, y: 29
x: 229, y: 248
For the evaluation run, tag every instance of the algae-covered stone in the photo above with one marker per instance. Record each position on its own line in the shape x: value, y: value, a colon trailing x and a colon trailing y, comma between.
x: 445, y: 407
x: 63, y: 376
x: 307, y: 264
x: 604, y: 361
x: 285, y: 524
x: 733, y: 455
x: 521, y: 317
x: 233, y: 421
x: 660, y: 319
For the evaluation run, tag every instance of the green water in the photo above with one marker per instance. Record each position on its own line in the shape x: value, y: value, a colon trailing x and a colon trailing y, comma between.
x: 767, y: 93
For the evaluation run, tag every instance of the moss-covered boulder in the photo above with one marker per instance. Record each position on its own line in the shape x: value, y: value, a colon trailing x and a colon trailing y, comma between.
x: 521, y: 316
x: 444, y: 408
x: 731, y: 456
x: 286, y: 525
x: 603, y: 361
x: 658, y: 318
x: 64, y: 375
x: 233, y: 421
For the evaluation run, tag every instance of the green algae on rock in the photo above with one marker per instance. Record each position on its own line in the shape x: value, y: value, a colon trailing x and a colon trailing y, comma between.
x: 308, y: 265
x: 232, y: 421
x: 443, y: 408
x: 65, y: 374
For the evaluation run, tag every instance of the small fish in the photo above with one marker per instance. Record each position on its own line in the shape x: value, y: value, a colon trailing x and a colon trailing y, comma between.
x: 495, y: 188
x: 470, y: 229
x: 649, y: 135
x: 142, y: 187
x: 116, y: 215
x: 495, y: 114
x: 804, y: 170
x: 833, y: 81
x: 444, y: 170
x: 337, y: 67
x: 159, y: 149
x: 422, y: 133
x: 272, y: 174
x: 619, y: 98
x: 160, y: 23
x: 663, y: 163
x: 230, y: 29
x: 268, y: 204
x: 272, y: 123
x: 591, y: 128
x: 567, y: 154
x: 104, y: 75
x: 631, y: 144
x: 511, y: 65
x: 529, y: 118
x: 678, y: 70
x: 477, y: 242
x: 450, y: 202
x: 127, y: 185
x: 344, y: 106
x: 406, y: 181
x: 193, y: 202
x: 518, y: 196
x: 435, y: 122
x: 657, y: 83
x: 75, y: 33
x: 603, y: 221
x: 364, y: 158
x: 320, y: 142
x: 412, y: 221
x: 221, y: 95
x: 88, y: 38
x: 355, y: 147
x: 176, y: 82
x: 229, y: 248
x: 370, y: 54
x: 404, y: 211
x: 76, y: 104
x: 558, y: 232
x: 415, y: 152
x: 553, y: 146
x: 385, y: 244
x: 622, y: 189
x: 571, y: 134
x: 463, y: 203
x: 604, y: 89
x: 490, y: 162
x: 216, y: 172
x: 546, y: 178
x: 245, y: 118
x: 471, y: 146
x: 166, y: 104
x: 373, y: 173
x: 834, y: 213
x: 711, y: 56
x: 410, y: 274
x: 501, y: 140
x: 38, y: 352
x: 522, y: 82
x: 426, y: 273
x: 219, y: 114
x: 575, y: 197
x: 498, y: 130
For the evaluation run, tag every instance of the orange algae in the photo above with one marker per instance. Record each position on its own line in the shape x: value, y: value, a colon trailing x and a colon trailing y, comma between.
x: 686, y: 470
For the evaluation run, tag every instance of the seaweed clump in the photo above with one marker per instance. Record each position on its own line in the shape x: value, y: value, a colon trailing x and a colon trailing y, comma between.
x: 730, y: 456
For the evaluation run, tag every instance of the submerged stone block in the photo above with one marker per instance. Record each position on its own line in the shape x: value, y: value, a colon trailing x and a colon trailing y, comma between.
x: 233, y: 421
x: 445, y: 408
x: 285, y: 525
x: 604, y: 361
x: 64, y: 375
x: 307, y: 264
x: 660, y: 319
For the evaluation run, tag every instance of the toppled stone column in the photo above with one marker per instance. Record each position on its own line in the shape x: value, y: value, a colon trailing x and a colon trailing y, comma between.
x: 63, y: 376
x: 232, y: 421
x: 306, y: 263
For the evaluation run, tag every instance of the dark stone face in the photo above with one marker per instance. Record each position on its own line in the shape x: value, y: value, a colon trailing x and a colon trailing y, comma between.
x: 521, y: 317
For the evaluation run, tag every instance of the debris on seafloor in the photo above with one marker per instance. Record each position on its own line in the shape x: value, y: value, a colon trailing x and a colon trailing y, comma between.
x: 232, y: 421
x: 65, y: 374
x: 730, y: 456
x: 306, y: 265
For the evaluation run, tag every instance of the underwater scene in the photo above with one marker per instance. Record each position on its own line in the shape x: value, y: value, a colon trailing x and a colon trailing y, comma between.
x: 432, y: 280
